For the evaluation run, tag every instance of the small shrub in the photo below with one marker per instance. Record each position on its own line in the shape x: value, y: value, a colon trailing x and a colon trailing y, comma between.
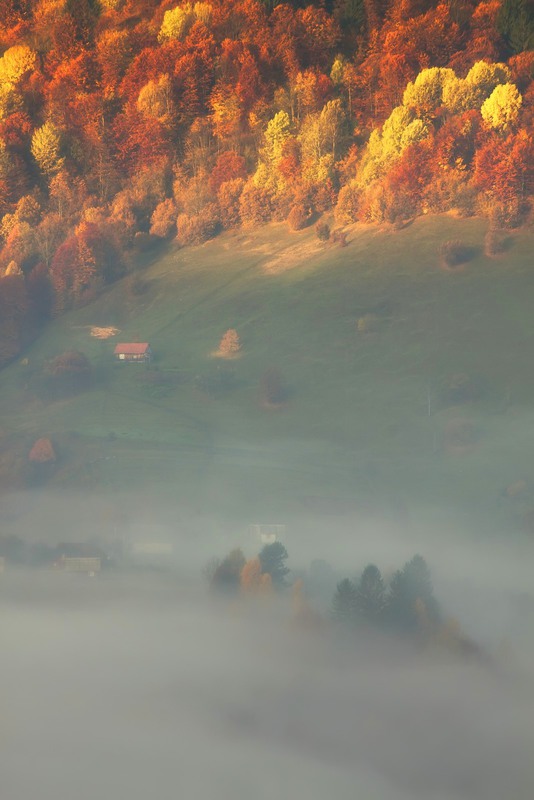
x: 348, y: 203
x: 510, y: 213
x: 198, y: 228
x: 229, y: 346
x: 322, y: 231
x: 71, y: 362
x: 339, y: 237
x: 299, y: 217
x: 453, y: 253
x: 67, y: 373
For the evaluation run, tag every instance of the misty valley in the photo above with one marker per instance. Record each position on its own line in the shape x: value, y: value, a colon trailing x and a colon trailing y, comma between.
x: 266, y: 399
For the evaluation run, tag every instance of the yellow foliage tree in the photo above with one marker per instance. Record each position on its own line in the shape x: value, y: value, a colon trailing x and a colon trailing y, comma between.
x: 464, y: 94
x: 486, y: 76
x: 459, y: 95
x: 46, y: 148
x: 176, y: 23
x: 401, y: 129
x: 337, y: 71
x: 276, y: 134
x: 267, y: 175
x: 155, y: 98
x: 16, y: 62
x: 426, y: 92
x: 203, y: 12
x: 501, y: 109
x: 319, y: 136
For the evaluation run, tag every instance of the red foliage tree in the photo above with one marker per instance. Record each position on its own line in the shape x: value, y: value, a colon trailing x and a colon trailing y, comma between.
x: 504, y: 170
x: 228, y: 167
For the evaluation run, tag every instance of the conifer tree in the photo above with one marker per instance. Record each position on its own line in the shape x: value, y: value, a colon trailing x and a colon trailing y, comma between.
x: 344, y: 603
x: 273, y: 559
x: 409, y: 585
x: 370, y: 595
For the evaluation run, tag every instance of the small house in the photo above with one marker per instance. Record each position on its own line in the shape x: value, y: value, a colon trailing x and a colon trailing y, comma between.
x: 83, y: 565
x: 135, y: 352
x: 268, y: 534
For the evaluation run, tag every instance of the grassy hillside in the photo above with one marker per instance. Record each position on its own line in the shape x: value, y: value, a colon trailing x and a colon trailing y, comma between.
x: 374, y: 418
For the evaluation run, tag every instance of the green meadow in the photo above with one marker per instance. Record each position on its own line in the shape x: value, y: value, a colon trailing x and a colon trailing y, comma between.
x: 408, y: 387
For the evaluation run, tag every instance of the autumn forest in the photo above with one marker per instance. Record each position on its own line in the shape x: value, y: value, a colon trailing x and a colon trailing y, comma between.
x: 124, y: 123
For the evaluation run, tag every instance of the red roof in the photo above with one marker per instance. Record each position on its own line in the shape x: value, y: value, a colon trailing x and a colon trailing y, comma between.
x: 132, y: 348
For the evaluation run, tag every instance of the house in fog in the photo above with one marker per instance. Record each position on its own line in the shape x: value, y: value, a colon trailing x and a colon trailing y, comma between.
x: 268, y: 534
x: 133, y: 352
x: 80, y: 557
x: 84, y: 565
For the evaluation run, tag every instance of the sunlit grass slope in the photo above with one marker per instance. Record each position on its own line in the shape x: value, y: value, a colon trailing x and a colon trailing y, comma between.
x: 368, y: 423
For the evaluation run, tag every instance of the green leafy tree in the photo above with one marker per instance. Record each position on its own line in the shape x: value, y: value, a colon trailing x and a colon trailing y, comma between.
x: 273, y: 559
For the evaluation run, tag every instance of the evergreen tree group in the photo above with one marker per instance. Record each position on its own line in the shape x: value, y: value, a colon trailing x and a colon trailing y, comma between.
x: 407, y: 605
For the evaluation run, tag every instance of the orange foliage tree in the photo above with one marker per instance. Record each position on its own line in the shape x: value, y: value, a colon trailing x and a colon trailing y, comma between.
x: 42, y: 451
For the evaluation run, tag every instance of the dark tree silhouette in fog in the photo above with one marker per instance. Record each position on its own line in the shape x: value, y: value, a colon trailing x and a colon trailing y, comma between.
x: 273, y: 559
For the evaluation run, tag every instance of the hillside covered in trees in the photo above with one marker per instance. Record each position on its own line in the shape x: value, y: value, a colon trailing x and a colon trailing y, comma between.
x: 125, y: 122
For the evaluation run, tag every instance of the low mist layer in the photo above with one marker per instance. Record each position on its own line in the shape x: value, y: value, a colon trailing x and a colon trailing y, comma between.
x: 126, y: 686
